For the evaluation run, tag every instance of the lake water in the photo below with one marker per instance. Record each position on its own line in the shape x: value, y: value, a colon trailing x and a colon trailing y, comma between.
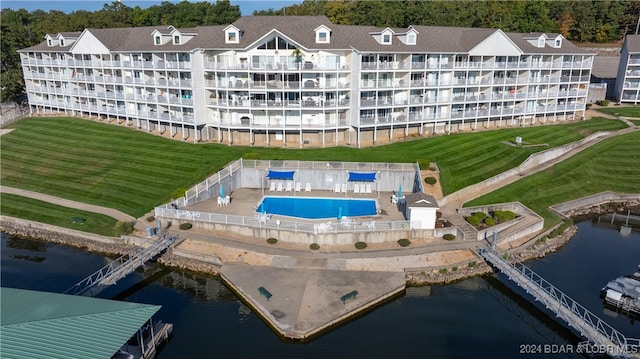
x: 475, y: 318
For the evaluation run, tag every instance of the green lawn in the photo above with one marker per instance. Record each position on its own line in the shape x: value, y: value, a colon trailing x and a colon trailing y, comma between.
x: 613, y: 164
x: 625, y: 111
x: 133, y: 171
x: 34, y: 210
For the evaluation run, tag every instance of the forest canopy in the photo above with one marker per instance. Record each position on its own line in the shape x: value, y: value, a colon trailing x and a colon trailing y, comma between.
x: 577, y: 20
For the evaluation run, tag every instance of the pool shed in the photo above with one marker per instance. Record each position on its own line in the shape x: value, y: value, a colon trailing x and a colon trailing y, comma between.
x: 421, y: 210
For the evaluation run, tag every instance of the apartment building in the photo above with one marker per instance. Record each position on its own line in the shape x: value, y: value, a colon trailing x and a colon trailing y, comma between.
x: 302, y: 81
x: 628, y: 79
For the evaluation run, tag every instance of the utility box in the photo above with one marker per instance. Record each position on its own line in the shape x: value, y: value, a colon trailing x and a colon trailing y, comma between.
x: 518, y: 141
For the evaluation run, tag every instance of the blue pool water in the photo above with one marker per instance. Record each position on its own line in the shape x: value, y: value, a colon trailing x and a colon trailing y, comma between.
x: 317, y: 208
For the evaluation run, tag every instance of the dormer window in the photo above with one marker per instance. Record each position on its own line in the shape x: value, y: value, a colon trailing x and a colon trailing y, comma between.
x: 158, y: 40
x: 61, y: 42
x: 176, y: 39
x: 411, y: 39
x: 558, y: 42
x: 231, y: 35
x: 49, y: 42
x: 386, y: 39
x: 541, y: 41
x: 323, y: 34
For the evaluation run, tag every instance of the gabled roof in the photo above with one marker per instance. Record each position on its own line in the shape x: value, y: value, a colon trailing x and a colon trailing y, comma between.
x: 70, y: 35
x: 49, y: 325
x: 300, y: 30
x: 419, y: 199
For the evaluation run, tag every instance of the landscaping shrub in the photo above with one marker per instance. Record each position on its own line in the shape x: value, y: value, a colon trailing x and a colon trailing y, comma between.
x: 185, y: 226
x: 454, y: 269
x: 490, y: 221
x: 473, y: 264
x: 603, y: 103
x: 251, y: 156
x: 480, y: 215
x: 272, y: 240
x: 423, y: 163
x: 151, y: 218
x: 448, y: 237
x: 430, y: 180
x: 123, y: 228
x: 179, y: 192
x: 361, y: 245
x: 314, y: 246
x: 473, y: 220
x: 443, y: 270
x: 404, y: 242
x: 504, y: 216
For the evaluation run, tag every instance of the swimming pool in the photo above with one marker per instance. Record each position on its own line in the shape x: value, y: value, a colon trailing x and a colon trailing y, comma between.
x: 317, y: 208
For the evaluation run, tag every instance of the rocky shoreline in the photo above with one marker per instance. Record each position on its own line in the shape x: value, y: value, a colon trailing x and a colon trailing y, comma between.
x: 117, y: 246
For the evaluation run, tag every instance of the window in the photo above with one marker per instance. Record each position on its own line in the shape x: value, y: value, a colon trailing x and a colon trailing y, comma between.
x: 158, y: 41
x: 232, y: 36
x: 61, y: 42
x: 176, y: 39
x: 558, y: 42
x: 49, y: 42
x: 386, y: 39
x: 541, y: 42
x: 322, y: 36
x: 411, y: 39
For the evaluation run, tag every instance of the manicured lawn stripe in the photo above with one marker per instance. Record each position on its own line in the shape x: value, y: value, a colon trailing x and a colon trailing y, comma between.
x: 625, y: 111
x: 31, y: 209
x: 133, y: 171
x: 613, y: 164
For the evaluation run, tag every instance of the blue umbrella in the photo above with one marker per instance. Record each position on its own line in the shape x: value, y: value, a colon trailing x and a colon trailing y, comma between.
x: 340, y: 212
x: 400, y: 192
x: 222, y: 191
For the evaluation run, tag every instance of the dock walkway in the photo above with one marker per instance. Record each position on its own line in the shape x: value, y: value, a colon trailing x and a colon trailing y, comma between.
x: 575, y: 315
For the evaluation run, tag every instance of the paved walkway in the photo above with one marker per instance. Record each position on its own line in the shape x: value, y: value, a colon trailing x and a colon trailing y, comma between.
x: 68, y: 203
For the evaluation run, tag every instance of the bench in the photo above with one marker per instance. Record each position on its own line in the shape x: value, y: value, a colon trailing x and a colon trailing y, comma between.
x: 264, y: 292
x: 350, y: 295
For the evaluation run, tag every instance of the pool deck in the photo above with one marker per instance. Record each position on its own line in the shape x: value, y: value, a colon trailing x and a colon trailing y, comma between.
x: 245, y: 200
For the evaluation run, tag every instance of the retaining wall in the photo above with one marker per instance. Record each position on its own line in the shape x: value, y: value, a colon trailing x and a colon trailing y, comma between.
x: 533, y: 160
x: 326, y: 239
x: 594, y: 200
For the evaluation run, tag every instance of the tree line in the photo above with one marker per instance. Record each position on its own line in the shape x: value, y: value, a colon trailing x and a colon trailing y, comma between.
x: 577, y: 20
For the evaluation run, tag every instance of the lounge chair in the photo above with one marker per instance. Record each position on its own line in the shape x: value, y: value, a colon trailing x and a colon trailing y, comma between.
x: 356, y: 188
x: 307, y: 187
x: 337, y: 189
x: 298, y: 186
x: 367, y: 188
x: 279, y: 188
x: 344, y: 188
x: 273, y: 187
x: 289, y: 186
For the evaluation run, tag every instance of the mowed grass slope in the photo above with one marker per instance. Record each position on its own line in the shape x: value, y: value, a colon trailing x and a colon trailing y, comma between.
x: 613, y: 164
x: 38, y: 211
x: 625, y: 111
x: 133, y: 171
